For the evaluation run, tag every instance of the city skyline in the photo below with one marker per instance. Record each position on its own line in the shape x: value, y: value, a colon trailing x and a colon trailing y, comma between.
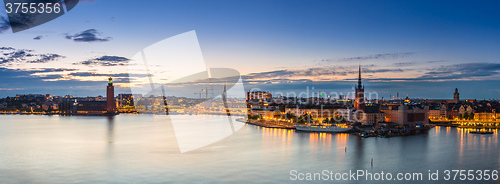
x: 423, y: 49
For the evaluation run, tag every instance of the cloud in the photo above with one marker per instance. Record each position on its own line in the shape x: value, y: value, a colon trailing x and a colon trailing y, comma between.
x: 92, y: 74
x: 52, y: 76
x: 38, y: 37
x: 404, y: 63
x: 326, y: 72
x: 370, y: 57
x: 9, y: 55
x: 367, y: 70
x: 46, y: 70
x: 379, y: 56
x: 105, y: 61
x: 46, y: 58
x: 7, y: 48
x: 463, y: 71
x: 436, y: 61
x: 89, y: 35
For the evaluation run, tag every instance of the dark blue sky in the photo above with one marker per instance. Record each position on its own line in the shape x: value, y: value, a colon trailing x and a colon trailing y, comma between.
x: 420, y: 48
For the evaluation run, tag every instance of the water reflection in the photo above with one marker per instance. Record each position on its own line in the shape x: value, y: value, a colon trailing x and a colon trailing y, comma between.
x: 143, y: 149
x: 111, y: 128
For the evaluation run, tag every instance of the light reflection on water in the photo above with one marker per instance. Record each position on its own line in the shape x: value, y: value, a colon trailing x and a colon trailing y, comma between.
x: 144, y: 149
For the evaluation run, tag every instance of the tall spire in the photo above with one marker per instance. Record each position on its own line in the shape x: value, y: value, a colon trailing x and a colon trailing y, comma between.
x: 360, y: 86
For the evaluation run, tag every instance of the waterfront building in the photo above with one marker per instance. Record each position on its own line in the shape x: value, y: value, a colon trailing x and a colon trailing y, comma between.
x: 371, y: 115
x: 435, y: 112
x: 406, y: 114
x: 125, y: 103
x: 91, y: 107
x: 485, y: 116
x: 259, y: 96
x: 452, y: 110
x: 465, y: 109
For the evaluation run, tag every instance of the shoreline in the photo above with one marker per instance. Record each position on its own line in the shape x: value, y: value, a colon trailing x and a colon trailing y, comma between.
x: 267, y: 124
x: 261, y: 123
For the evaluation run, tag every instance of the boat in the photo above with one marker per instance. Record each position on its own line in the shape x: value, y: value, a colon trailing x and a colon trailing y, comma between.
x: 320, y: 128
x: 481, y: 132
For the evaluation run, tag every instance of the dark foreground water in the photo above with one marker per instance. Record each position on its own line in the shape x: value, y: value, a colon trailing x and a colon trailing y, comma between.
x: 146, y: 149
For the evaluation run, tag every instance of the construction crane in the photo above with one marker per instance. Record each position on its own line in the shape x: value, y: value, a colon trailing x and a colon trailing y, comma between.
x: 206, y: 91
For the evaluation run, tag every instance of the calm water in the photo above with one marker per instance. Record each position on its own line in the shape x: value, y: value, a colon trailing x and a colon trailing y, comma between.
x: 145, y: 149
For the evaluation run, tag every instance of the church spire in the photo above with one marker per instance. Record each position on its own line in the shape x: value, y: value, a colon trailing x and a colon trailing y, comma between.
x: 360, y: 86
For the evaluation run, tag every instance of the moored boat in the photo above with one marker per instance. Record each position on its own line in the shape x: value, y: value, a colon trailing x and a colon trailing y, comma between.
x: 481, y: 132
x: 319, y: 128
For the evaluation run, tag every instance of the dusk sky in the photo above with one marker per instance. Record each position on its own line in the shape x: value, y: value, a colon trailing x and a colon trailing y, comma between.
x: 424, y: 49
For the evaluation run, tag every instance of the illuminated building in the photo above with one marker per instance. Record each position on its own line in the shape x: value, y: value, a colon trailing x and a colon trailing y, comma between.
x: 91, y: 107
x: 125, y: 103
x: 259, y: 95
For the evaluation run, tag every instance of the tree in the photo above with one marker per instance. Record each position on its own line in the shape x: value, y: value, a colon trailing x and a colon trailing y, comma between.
x: 281, y: 108
x: 466, y: 115
x: 449, y: 117
x: 50, y: 109
x: 290, y: 116
x: 301, y: 120
x: 250, y: 116
x: 471, y: 116
x: 309, y: 118
x: 460, y: 116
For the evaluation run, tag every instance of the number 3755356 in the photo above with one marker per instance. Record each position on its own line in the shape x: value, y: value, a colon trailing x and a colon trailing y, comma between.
x: 33, y: 8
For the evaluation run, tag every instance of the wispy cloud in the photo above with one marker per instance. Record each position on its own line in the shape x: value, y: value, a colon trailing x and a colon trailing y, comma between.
x: 437, y: 61
x: 46, y: 70
x: 367, y: 70
x: 93, y: 74
x: 379, y: 56
x: 337, y: 73
x: 7, y: 48
x: 105, y: 61
x: 464, y: 71
x: 89, y: 35
x: 9, y: 55
x: 370, y: 57
x: 38, y: 37
x: 404, y: 63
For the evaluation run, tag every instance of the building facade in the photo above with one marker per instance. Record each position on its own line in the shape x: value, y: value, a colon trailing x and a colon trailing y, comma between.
x: 259, y: 95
